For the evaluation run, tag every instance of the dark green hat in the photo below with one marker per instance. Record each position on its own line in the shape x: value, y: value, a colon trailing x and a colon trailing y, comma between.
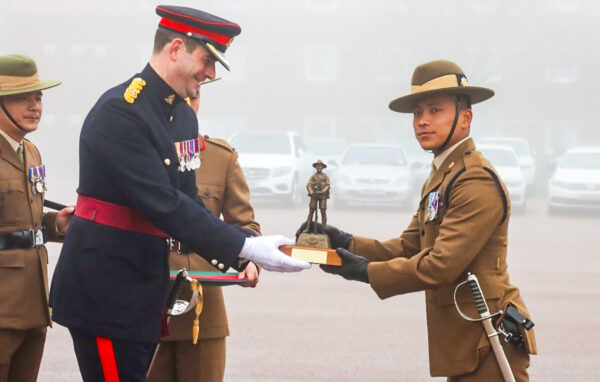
x: 435, y: 77
x: 18, y: 74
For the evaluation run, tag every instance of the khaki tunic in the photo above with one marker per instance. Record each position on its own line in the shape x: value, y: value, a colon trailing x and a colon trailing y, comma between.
x: 23, y: 272
x: 223, y: 188
x: 468, y: 235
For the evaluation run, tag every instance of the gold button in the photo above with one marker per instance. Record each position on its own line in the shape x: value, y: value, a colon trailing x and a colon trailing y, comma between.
x: 167, y: 162
x: 451, y: 165
x: 221, y: 266
x: 214, y: 262
x: 171, y: 119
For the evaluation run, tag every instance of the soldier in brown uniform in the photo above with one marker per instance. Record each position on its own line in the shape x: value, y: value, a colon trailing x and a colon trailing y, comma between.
x: 24, y: 228
x: 224, y: 191
x: 461, y: 226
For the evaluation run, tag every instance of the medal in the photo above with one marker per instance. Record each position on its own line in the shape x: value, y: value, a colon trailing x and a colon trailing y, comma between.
x: 433, y: 205
x: 37, y: 177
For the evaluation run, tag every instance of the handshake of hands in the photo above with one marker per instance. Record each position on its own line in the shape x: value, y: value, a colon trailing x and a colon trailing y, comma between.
x: 264, y: 251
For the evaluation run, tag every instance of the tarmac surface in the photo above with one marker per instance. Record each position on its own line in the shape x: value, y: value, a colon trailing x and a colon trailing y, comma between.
x: 312, y: 326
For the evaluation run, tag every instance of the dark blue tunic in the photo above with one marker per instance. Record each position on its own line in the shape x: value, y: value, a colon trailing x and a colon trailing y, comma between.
x: 112, y: 282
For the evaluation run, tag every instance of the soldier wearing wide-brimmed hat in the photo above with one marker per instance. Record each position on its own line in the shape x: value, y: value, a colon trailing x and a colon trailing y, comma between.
x: 461, y: 226
x: 24, y: 313
x: 318, y: 191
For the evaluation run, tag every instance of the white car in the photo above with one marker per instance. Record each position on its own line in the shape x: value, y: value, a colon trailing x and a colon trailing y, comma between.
x: 505, y: 161
x: 276, y: 165
x: 524, y: 153
x: 373, y: 174
x: 576, y: 180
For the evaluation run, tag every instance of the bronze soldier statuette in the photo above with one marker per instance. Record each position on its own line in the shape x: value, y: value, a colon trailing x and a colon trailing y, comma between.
x: 312, y: 246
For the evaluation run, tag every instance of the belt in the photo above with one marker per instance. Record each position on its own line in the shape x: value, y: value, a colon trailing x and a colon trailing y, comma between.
x: 23, y: 239
x: 116, y: 216
x: 178, y: 246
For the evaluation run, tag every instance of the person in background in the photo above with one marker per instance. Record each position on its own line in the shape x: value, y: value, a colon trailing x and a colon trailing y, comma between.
x: 24, y: 227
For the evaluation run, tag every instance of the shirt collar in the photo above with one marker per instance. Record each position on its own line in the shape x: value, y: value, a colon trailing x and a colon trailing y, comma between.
x: 161, y: 93
x: 14, y: 144
x: 438, y: 160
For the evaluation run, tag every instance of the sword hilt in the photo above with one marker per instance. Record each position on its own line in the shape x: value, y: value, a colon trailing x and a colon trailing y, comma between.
x: 174, y: 292
x: 480, y: 303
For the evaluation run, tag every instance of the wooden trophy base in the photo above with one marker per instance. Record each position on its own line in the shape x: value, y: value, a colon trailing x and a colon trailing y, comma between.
x: 315, y: 254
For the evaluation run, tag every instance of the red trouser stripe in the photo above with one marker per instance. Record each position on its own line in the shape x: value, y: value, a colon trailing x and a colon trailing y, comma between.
x: 107, y: 359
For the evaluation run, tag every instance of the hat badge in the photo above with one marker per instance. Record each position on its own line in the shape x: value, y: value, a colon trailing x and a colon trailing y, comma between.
x: 464, y: 82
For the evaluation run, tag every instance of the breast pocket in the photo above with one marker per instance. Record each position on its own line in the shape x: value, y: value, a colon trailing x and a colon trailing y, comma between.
x: 212, y: 195
x: 13, y: 202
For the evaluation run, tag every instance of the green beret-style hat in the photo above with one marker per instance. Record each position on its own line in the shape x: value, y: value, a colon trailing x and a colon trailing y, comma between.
x: 18, y: 74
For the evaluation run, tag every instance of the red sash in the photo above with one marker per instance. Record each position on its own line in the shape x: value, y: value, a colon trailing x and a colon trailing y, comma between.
x: 116, y: 216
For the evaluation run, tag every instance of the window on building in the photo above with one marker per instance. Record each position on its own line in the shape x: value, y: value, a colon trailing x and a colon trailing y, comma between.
x: 320, y: 63
x: 319, y: 127
x: 237, y: 59
x: 49, y: 49
x: 233, y: 4
x: 394, y: 5
x: 392, y: 64
x: 560, y: 67
x: 563, y: 5
x: 321, y: 5
x: 221, y: 127
x: 76, y: 50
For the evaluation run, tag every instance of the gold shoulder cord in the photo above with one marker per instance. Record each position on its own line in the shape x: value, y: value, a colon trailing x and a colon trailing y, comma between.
x: 196, y: 286
x: 132, y: 91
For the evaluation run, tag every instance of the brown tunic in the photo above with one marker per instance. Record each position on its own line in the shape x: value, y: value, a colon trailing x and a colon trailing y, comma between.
x: 468, y: 235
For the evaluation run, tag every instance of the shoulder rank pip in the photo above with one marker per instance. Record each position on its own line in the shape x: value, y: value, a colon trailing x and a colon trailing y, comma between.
x: 132, y: 91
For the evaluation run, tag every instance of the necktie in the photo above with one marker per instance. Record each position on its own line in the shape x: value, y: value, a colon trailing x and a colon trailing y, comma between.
x: 431, y: 174
x: 20, y: 153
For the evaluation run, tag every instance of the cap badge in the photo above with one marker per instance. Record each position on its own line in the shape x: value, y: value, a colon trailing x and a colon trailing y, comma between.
x: 132, y: 91
x: 464, y: 82
x: 170, y: 99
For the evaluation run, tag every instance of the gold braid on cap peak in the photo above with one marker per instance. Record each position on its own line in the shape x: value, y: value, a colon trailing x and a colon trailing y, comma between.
x: 132, y: 91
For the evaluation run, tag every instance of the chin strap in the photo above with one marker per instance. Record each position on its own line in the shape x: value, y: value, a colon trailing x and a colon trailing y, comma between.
x: 10, y: 116
x: 441, y: 148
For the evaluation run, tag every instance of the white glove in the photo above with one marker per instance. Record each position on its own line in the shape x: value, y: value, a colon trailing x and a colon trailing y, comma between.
x: 264, y: 251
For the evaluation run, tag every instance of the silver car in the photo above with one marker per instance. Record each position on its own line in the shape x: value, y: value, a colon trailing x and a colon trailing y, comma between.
x: 576, y: 180
x: 373, y: 174
x: 521, y: 146
x: 505, y: 161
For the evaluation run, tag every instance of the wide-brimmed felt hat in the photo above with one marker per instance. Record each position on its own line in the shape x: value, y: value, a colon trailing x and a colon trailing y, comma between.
x: 213, y: 32
x: 440, y: 76
x: 319, y: 163
x: 18, y: 74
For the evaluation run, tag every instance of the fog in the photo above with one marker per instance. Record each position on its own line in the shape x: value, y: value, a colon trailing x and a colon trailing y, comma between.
x: 324, y: 72
x: 327, y: 69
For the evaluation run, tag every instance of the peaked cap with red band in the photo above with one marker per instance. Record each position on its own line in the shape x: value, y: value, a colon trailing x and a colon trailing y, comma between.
x: 215, y: 33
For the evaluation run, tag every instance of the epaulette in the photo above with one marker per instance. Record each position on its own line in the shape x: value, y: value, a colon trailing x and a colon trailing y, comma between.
x: 219, y: 142
x: 472, y: 161
x: 132, y: 91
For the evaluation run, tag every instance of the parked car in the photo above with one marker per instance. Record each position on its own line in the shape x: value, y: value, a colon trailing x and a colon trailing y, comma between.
x: 373, y: 174
x: 505, y: 161
x: 276, y: 164
x: 576, y: 180
x: 524, y: 153
x: 419, y: 162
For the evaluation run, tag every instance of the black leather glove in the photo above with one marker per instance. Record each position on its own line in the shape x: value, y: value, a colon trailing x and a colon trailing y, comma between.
x: 339, y: 238
x: 353, y: 267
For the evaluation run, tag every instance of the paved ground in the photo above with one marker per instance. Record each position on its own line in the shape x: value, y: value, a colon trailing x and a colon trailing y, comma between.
x: 316, y: 327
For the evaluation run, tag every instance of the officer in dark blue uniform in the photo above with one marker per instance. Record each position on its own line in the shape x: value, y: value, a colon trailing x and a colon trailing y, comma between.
x: 138, y: 152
